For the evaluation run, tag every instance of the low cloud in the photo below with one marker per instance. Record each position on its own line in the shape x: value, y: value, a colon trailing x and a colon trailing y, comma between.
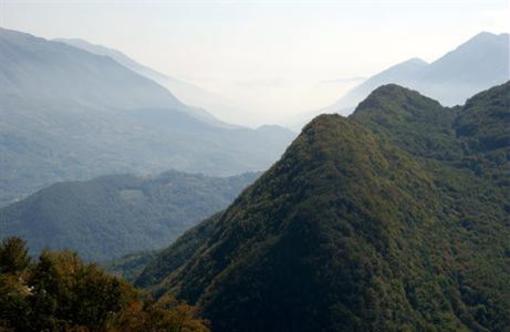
x: 343, y: 80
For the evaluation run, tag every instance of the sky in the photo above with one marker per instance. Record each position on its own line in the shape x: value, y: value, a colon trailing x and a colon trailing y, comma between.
x: 273, y: 59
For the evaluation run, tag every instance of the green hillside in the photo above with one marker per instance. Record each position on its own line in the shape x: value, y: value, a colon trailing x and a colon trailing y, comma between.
x: 394, y: 219
x: 111, y: 216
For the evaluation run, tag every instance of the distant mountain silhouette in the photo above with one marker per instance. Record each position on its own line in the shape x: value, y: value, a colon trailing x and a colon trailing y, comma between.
x: 188, y: 93
x: 481, y: 62
x: 68, y: 114
x: 39, y: 69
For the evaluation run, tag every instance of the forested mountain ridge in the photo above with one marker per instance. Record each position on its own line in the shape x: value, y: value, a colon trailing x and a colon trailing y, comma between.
x: 111, y: 216
x: 396, y: 218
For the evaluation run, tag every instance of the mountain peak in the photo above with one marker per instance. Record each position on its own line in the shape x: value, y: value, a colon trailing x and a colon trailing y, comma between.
x: 390, y: 88
x: 390, y: 95
x: 349, y: 232
x: 482, y: 42
x: 322, y: 119
x: 416, y: 118
x: 475, y: 65
x: 485, y: 35
x: 478, y: 45
x: 325, y: 129
x: 16, y: 36
x: 415, y: 61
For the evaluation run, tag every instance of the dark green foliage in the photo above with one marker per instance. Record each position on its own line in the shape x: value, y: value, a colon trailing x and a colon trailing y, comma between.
x: 61, y: 293
x: 417, y: 124
x: 13, y: 256
x: 390, y: 220
x: 172, y: 257
x: 131, y: 265
x: 483, y: 128
x: 111, y: 216
x: 66, y: 290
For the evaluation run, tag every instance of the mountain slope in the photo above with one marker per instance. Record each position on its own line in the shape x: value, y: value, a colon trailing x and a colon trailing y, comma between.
x: 40, y: 69
x: 479, y: 63
x: 401, y: 73
x: 368, y: 223
x: 482, y: 60
x: 67, y: 114
x: 111, y: 216
x: 186, y: 92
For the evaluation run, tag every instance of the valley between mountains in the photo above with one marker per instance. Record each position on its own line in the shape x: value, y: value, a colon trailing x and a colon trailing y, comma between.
x: 126, y: 207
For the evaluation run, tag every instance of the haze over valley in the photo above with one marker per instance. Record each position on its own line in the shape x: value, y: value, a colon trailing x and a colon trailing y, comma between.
x: 255, y: 166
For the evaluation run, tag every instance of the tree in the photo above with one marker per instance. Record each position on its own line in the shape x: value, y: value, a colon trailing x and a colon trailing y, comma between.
x: 62, y: 293
x: 166, y: 314
x: 14, y: 256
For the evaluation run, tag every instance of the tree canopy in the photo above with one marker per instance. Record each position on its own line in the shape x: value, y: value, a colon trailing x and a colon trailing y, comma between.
x: 59, y: 292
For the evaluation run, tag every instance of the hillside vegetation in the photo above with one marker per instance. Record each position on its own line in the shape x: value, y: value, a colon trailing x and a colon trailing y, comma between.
x: 59, y: 292
x: 111, y: 216
x: 394, y: 219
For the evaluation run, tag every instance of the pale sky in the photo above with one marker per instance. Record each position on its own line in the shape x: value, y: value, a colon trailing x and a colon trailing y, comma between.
x: 273, y: 58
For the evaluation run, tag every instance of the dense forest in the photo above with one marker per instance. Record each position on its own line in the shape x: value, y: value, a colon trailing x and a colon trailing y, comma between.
x: 59, y: 292
x: 111, y: 216
x: 395, y: 219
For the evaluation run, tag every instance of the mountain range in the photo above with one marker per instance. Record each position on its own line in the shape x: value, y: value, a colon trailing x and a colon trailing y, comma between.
x: 111, y: 216
x: 188, y: 93
x: 479, y: 63
x: 393, y: 219
x: 68, y: 114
